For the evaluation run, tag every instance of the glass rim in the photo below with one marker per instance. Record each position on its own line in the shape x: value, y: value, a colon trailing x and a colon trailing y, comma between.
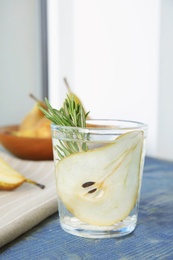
x: 91, y: 127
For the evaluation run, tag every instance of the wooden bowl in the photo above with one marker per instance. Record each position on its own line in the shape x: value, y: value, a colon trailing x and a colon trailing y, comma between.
x: 35, y: 149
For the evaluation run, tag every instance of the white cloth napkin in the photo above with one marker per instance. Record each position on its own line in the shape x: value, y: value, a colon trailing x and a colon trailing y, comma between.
x: 26, y: 206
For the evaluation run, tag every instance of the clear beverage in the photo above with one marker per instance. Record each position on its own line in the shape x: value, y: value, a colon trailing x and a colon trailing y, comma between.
x: 98, y: 186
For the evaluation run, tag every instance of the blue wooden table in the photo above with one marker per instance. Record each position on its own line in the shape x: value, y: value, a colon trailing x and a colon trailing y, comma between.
x: 152, y: 239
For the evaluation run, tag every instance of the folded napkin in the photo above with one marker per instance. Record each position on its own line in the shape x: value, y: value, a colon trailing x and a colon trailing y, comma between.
x: 26, y: 206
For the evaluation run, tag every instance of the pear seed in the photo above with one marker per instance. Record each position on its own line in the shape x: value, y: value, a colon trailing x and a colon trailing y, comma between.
x: 88, y: 184
x: 92, y: 191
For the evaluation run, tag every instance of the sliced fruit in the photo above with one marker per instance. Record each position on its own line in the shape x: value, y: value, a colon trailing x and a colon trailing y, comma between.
x: 100, y: 187
x: 10, y: 179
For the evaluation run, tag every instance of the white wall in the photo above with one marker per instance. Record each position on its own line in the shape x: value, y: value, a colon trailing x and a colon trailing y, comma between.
x: 165, y: 110
x: 114, y: 60
x: 60, y: 47
x: 20, y: 61
x: 116, y: 47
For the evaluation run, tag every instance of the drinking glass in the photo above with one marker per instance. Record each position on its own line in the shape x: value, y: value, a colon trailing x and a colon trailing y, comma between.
x: 98, y: 172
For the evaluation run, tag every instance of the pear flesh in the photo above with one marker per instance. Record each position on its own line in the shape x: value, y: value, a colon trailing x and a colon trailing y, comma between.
x: 100, y: 187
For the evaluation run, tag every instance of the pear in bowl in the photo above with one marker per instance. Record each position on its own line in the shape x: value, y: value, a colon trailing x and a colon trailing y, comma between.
x: 28, y: 148
x: 31, y: 139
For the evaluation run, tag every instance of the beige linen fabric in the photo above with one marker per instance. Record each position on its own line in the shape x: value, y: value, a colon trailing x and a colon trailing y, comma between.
x: 26, y: 206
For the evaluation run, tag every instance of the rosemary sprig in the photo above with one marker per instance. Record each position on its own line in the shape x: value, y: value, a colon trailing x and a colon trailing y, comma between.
x: 71, y: 114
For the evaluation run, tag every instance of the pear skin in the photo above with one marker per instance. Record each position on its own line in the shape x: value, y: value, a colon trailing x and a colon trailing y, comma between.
x: 71, y: 94
x: 10, y: 179
x: 32, y: 117
x: 40, y: 130
x: 30, y: 132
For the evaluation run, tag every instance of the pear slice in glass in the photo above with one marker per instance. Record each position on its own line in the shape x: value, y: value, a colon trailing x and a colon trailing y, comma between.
x: 100, y: 187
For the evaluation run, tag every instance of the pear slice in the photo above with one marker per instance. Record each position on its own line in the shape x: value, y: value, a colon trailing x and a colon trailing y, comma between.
x: 10, y: 179
x: 100, y: 187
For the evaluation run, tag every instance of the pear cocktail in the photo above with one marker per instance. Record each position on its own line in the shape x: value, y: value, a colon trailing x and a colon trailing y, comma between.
x: 98, y: 171
x: 98, y: 175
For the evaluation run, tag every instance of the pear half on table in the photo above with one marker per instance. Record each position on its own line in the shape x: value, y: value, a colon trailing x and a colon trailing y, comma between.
x: 100, y: 187
x: 10, y: 179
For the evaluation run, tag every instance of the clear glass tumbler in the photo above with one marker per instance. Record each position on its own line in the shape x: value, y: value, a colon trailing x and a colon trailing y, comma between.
x: 98, y: 171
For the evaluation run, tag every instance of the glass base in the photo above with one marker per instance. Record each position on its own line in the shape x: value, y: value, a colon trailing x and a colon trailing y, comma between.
x: 75, y: 227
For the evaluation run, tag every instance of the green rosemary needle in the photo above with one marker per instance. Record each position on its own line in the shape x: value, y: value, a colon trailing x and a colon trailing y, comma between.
x: 70, y: 114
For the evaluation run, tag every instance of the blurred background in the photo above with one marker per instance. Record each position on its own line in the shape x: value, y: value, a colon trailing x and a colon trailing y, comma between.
x: 117, y: 56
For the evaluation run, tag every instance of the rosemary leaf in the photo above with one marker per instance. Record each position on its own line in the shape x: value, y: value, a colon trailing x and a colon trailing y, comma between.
x: 70, y: 114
